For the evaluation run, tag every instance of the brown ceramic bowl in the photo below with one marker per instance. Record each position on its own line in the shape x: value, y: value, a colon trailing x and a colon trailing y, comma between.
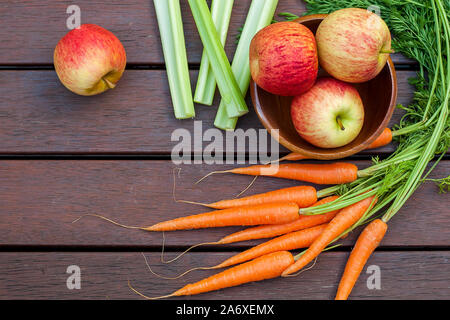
x: 378, y: 95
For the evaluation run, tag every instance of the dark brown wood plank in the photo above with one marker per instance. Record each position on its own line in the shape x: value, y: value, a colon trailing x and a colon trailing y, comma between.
x: 39, y: 200
x: 404, y: 275
x: 29, y: 37
x: 38, y: 115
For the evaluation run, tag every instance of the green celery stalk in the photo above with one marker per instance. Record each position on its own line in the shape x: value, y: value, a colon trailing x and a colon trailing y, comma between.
x: 228, y: 86
x: 170, y: 24
x: 259, y: 16
x: 206, y: 83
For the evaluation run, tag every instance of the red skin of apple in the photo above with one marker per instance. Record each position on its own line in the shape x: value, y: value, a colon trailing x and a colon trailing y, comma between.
x: 89, y: 60
x: 283, y: 59
x: 353, y: 44
x: 314, y: 113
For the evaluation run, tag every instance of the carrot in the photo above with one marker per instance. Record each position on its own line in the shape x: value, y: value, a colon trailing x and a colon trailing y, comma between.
x: 270, y: 231
x: 271, y: 213
x: 304, y: 196
x: 265, y: 267
x: 290, y: 241
x: 335, y: 173
x: 367, y: 242
x: 384, y: 139
x: 294, y: 157
x: 343, y: 220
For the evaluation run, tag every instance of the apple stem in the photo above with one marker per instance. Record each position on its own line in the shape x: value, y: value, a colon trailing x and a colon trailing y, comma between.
x: 339, y: 121
x: 109, y: 83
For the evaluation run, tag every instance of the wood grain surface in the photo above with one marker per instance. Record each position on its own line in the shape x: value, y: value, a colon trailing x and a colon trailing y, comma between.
x: 404, y: 275
x: 41, y: 23
x: 40, y: 199
x: 38, y: 115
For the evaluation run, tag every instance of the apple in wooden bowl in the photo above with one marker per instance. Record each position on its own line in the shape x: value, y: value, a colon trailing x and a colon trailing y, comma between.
x: 378, y: 95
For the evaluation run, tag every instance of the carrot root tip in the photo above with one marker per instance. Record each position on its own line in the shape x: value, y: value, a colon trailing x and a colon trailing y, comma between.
x: 110, y: 221
x: 212, y: 173
x: 146, y: 297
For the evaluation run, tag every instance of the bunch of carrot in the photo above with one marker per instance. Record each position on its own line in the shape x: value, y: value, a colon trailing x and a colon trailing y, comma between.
x: 296, y: 218
x: 278, y: 214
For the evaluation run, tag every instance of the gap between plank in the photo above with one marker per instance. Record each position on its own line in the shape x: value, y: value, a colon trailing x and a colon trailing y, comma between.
x: 178, y: 249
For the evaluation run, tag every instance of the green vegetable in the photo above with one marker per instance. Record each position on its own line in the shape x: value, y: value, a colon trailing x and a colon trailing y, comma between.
x: 228, y: 87
x: 170, y: 24
x: 260, y: 15
x: 206, y: 83
x: 421, y: 32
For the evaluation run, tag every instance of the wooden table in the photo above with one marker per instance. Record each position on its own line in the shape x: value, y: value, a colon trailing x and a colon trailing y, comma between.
x: 63, y: 156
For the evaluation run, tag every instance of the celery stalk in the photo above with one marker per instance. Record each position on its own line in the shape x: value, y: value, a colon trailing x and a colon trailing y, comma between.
x: 228, y: 86
x: 168, y: 13
x: 259, y: 16
x: 206, y: 83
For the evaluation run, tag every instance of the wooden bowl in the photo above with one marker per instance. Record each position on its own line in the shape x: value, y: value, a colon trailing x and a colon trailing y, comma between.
x: 378, y: 95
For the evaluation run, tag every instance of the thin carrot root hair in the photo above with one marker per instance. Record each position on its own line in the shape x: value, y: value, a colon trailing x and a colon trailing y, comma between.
x: 212, y: 173
x: 303, y: 270
x: 177, y: 277
x: 175, y: 183
x: 193, y: 202
x: 181, y: 254
x: 146, y: 297
x: 273, y: 161
x: 185, y: 252
x: 248, y: 187
x: 223, y: 172
x: 175, y: 188
x: 209, y: 205
x: 108, y: 220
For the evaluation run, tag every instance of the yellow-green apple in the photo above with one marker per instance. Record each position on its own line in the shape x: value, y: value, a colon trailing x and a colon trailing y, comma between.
x: 329, y: 115
x: 283, y: 59
x: 354, y: 44
x: 89, y: 60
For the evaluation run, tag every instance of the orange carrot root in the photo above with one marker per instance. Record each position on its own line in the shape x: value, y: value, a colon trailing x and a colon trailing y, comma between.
x: 270, y: 231
x: 346, y: 218
x: 304, y: 196
x: 266, y: 267
x: 335, y: 173
x: 272, y: 213
x: 294, y: 157
x: 366, y: 244
x: 384, y: 139
x: 290, y: 241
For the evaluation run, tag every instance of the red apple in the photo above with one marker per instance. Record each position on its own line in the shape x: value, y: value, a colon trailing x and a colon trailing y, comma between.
x: 283, y: 59
x: 330, y: 115
x: 89, y: 60
x: 354, y: 45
